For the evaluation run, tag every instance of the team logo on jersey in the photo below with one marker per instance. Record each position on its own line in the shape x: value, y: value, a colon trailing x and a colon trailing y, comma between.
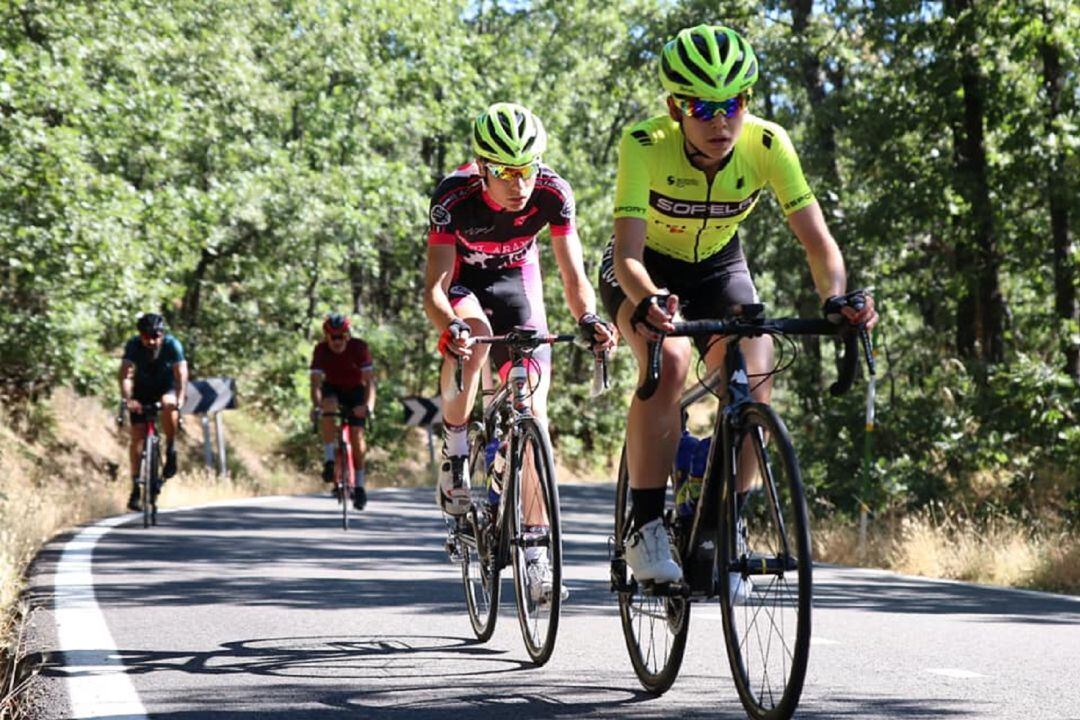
x: 674, y: 207
x: 520, y: 220
x: 682, y: 182
x: 440, y: 215
x: 568, y: 208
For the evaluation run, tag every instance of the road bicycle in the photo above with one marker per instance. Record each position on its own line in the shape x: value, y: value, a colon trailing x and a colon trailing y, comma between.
x: 344, y: 470
x: 750, y: 550
x: 514, y: 517
x: 149, y: 480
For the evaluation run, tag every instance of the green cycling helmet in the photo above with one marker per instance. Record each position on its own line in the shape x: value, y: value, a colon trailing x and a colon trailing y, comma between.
x: 710, y: 62
x: 509, y: 134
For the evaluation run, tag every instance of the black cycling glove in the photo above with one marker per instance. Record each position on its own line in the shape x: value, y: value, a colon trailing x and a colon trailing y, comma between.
x: 855, y: 299
x: 641, y: 312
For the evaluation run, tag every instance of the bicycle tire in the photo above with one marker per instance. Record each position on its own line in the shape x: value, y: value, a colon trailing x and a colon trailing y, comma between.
x: 479, y: 565
x: 341, y: 461
x: 642, y: 616
x: 770, y: 549
x: 145, y: 478
x: 539, y: 620
x: 155, y: 479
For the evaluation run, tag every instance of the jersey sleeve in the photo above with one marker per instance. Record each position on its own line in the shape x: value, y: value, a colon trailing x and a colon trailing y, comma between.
x: 317, y: 360
x: 176, y: 349
x: 363, y: 356
x: 131, y: 349
x: 785, y: 174
x: 563, y: 216
x: 440, y: 218
x: 632, y: 176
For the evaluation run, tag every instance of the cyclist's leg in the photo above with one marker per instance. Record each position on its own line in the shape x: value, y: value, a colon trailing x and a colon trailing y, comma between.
x: 457, y: 406
x: 328, y: 429
x: 170, y: 422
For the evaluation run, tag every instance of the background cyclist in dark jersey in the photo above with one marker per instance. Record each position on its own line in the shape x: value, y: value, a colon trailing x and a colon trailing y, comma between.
x: 685, y: 181
x: 153, y: 369
x: 483, y: 271
x: 342, y: 375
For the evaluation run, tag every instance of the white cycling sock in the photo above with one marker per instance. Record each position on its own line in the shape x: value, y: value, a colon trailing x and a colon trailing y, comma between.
x: 328, y: 451
x: 456, y: 439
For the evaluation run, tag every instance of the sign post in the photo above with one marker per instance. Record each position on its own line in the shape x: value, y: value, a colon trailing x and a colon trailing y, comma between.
x: 209, y: 397
x: 425, y: 412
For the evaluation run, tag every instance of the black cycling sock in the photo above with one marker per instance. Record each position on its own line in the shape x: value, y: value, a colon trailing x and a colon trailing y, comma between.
x: 648, y: 505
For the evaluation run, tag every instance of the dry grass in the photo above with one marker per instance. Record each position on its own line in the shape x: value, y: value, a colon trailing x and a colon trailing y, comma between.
x: 1000, y: 552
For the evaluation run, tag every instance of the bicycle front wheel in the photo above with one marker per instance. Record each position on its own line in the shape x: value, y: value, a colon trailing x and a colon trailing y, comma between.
x: 766, y: 590
x: 654, y: 627
x: 479, y: 566
x: 146, y: 479
x: 536, y: 539
x: 342, y: 462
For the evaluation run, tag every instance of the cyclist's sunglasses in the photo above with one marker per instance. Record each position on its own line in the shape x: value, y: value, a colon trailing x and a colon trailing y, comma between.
x: 338, y: 337
x: 512, y: 172
x: 706, y: 110
x: 151, y: 336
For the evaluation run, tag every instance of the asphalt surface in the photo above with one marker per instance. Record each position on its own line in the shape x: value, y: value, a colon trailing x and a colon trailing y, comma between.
x: 268, y: 609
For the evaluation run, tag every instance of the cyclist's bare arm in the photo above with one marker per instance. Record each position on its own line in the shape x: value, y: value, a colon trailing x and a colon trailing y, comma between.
x: 577, y: 289
x: 440, y: 268
x: 367, y: 377
x: 630, y: 272
x: 126, y: 378
x: 180, y: 373
x: 826, y: 261
x: 317, y: 377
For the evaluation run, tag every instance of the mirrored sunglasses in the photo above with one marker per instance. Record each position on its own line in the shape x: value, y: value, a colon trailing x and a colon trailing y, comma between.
x: 512, y: 172
x: 708, y: 109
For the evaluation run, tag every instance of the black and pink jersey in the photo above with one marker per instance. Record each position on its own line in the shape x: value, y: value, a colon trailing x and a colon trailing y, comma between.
x: 487, y: 236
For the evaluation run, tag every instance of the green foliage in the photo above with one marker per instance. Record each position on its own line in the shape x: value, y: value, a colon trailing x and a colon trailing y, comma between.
x: 246, y: 168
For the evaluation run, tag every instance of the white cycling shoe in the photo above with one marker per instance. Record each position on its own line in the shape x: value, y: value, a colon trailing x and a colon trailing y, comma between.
x: 540, y: 582
x: 740, y: 588
x: 452, y: 490
x: 648, y: 554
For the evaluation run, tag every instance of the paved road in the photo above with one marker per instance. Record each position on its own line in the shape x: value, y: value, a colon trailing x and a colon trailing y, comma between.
x: 267, y: 609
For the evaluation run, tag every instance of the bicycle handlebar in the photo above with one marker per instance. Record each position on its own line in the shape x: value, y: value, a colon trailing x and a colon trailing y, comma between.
x: 743, y: 328
x: 530, y: 339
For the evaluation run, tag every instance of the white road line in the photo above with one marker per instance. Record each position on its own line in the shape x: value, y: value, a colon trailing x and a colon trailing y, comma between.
x: 954, y: 673
x: 97, y: 684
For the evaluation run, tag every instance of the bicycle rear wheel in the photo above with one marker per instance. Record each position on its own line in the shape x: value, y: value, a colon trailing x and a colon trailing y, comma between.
x: 475, y: 538
x: 766, y: 591
x: 539, y: 600
x: 654, y: 627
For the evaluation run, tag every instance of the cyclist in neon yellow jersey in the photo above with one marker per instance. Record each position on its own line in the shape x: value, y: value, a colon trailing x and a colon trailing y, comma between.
x: 686, y: 179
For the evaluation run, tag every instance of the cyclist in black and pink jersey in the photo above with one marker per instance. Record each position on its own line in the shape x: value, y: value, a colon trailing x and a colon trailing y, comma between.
x: 483, y: 270
x: 342, y: 375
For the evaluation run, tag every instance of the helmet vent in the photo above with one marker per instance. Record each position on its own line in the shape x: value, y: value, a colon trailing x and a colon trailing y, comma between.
x: 692, y: 66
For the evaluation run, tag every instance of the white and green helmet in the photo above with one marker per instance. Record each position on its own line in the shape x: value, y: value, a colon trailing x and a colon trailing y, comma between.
x: 710, y: 62
x: 509, y: 134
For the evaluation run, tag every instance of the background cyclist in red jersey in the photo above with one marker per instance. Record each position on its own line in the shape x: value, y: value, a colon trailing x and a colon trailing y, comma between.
x: 341, y: 374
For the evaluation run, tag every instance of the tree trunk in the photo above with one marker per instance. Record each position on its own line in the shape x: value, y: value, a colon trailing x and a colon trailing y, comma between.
x: 981, y: 308
x: 1065, y: 302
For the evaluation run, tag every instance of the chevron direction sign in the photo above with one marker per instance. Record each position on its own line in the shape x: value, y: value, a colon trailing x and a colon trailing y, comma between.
x: 210, y: 396
x: 422, y: 411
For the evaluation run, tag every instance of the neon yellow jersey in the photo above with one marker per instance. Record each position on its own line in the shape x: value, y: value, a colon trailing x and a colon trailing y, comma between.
x: 687, y: 217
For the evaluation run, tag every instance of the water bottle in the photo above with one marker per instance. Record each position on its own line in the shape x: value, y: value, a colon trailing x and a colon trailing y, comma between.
x: 493, y: 454
x: 697, y: 472
x: 683, y: 458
